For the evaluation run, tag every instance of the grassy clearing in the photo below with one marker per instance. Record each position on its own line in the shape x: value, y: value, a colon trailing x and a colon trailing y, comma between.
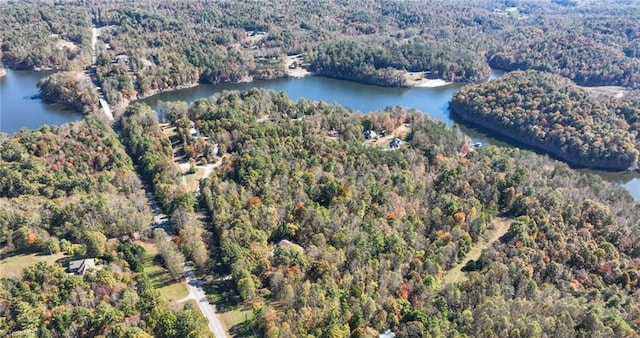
x: 401, y: 132
x: 169, y: 289
x: 181, y: 306
x: 13, y: 265
x: 150, y: 247
x: 192, y: 180
x: 169, y: 131
x: 235, y: 317
x: 500, y: 227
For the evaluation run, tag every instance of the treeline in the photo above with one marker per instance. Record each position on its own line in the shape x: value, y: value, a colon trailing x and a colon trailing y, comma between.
x: 549, y: 112
x: 48, y: 302
x: 71, y: 183
x: 327, y: 235
x: 43, y: 36
x: 71, y: 89
x: 584, y: 60
x: 386, y: 64
x: 152, y: 151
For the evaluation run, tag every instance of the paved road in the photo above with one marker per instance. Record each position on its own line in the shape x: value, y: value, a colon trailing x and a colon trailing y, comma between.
x: 196, y: 292
x: 160, y: 220
x: 103, y: 103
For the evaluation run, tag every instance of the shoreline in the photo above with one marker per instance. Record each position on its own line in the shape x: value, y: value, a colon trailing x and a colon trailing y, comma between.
x: 418, y: 80
x: 532, y: 145
x: 431, y: 83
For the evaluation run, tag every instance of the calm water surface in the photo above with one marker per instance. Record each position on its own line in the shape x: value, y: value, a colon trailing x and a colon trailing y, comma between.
x: 20, y: 109
x: 356, y: 96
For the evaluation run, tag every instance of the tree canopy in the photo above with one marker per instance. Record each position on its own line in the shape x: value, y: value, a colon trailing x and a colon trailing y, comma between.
x: 549, y: 112
x: 326, y: 233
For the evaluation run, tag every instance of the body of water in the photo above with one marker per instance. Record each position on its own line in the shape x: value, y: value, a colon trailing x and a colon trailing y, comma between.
x: 20, y: 107
x: 365, y: 98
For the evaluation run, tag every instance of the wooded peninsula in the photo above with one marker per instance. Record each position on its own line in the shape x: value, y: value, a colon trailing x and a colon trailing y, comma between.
x: 550, y: 112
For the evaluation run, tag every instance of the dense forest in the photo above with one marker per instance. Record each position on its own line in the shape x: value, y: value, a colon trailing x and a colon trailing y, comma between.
x: 48, y: 302
x: 146, y: 47
x: 72, y: 189
x: 551, y: 113
x: 327, y: 234
x: 318, y: 229
x: 72, y: 183
x: 43, y: 36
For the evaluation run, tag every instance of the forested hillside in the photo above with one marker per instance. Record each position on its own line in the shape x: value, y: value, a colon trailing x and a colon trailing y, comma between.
x: 327, y: 234
x: 41, y: 36
x: 551, y: 113
x: 70, y: 192
x: 147, y: 47
x: 307, y: 220
x: 72, y: 183
x: 48, y: 302
x: 70, y: 89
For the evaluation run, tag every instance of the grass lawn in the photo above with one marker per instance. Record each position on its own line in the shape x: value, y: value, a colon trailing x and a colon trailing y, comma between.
x: 13, y: 265
x: 235, y: 316
x: 192, y: 302
x: 169, y: 289
x: 229, y: 308
x: 194, y: 179
x: 150, y: 247
x: 500, y: 227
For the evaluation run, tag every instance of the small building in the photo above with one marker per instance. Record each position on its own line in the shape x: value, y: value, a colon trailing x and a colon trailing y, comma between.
x: 121, y: 58
x: 80, y: 266
x: 387, y: 334
x: 395, y: 143
x: 370, y: 134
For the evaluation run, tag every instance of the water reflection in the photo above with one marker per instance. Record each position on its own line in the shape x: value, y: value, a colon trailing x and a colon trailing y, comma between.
x: 20, y: 106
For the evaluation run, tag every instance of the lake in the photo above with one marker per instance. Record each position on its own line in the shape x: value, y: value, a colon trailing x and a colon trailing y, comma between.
x: 365, y: 98
x: 20, y: 108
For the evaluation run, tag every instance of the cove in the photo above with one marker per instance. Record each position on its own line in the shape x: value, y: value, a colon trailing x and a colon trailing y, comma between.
x: 367, y: 98
x: 20, y: 107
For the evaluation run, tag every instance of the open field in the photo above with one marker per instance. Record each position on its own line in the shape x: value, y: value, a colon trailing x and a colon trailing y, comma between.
x: 13, y: 265
x: 234, y: 318
x: 500, y: 227
x: 169, y: 289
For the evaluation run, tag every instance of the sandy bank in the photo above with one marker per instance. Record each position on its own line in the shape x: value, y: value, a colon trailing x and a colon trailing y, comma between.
x: 417, y: 79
